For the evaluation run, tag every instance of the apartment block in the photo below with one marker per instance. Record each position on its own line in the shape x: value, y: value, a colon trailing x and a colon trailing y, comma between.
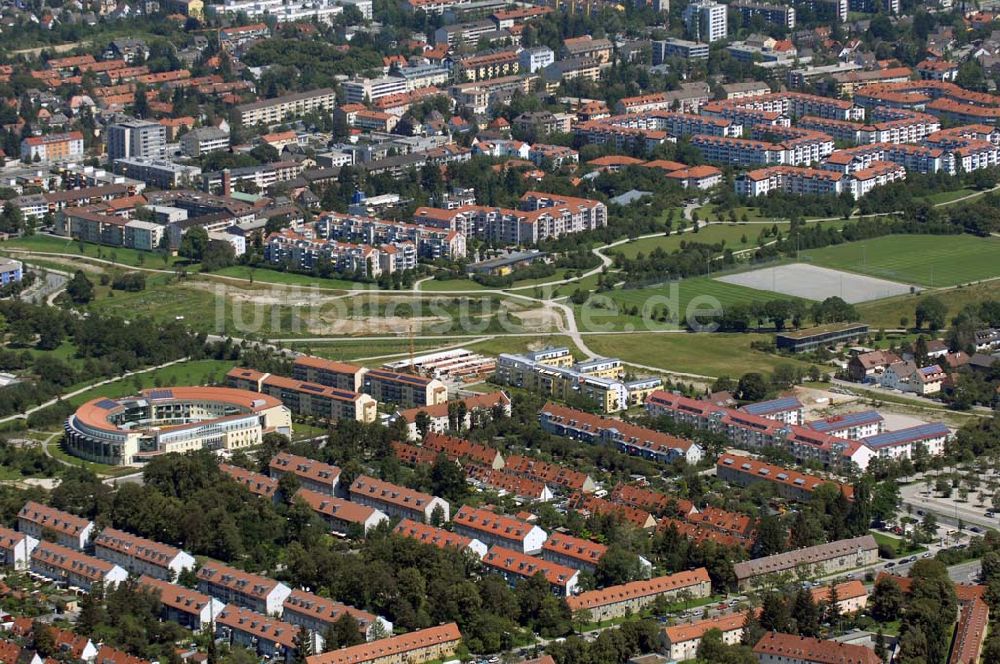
x: 304, y: 398
x: 706, y: 21
x: 678, y: 48
x: 138, y: 555
x: 44, y: 523
x: 398, y: 501
x: 574, y: 552
x: 618, y: 601
x: 406, y: 390
x: 499, y: 530
x: 339, y: 375
x: 73, y: 568
x: 820, y: 560
x: 136, y: 139
x: 270, y: 111
x: 52, y: 147
x: 781, y: 15
x: 234, y: 586
x: 269, y: 637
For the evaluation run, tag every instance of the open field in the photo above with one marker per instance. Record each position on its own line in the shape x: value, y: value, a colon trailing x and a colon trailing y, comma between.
x: 522, y: 344
x: 888, y: 312
x: 352, y: 349
x: 694, y: 294
x: 927, y: 260
x: 731, y: 234
x: 948, y: 196
x: 816, y: 283
x: 119, y: 255
x: 261, y: 275
x: 704, y: 354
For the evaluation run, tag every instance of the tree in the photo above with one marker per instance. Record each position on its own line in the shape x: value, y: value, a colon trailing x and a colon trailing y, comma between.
x: 887, y: 600
x: 752, y: 387
x: 194, y: 243
x: 303, y: 646
x: 805, y: 613
x: 44, y: 640
x: 774, y: 613
x: 217, y: 254
x: 617, y: 566
x: 932, y: 311
x: 771, y: 537
x: 80, y: 289
x: 423, y: 423
x: 448, y: 479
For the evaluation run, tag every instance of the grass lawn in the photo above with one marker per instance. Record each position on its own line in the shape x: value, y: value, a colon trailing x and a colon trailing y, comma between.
x: 926, y: 260
x: 730, y: 233
x: 888, y: 312
x: 195, y: 372
x: 948, y: 196
x: 348, y: 349
x: 119, y: 255
x: 696, y: 293
x: 267, y: 276
x: 438, y: 285
x: 57, y: 452
x: 896, y: 544
x: 704, y: 354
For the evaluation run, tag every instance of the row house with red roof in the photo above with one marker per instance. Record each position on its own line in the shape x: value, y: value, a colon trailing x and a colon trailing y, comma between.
x: 398, y: 501
x: 16, y: 548
x: 236, y: 587
x: 138, y: 555
x: 779, y: 648
x: 310, y: 473
x: 631, y: 598
x: 459, y: 449
x: 268, y: 637
x: 318, y: 614
x: 343, y: 516
x: 595, y: 505
x: 432, y: 644
x: 258, y: 484
x: 187, y: 607
x: 73, y: 568
x: 439, y: 537
x: 43, y: 522
x: 552, y: 474
x: 495, y: 529
x: 442, y: 417
x: 515, y: 566
x: 787, y: 483
x: 68, y: 644
x: 15, y: 654
x: 507, y: 483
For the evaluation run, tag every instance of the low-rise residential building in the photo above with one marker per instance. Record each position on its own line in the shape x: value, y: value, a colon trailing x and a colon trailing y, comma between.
x: 439, y: 537
x: 11, y: 271
x: 340, y: 375
x: 203, y: 140
x: 459, y: 449
x: 16, y: 548
x: 499, y: 530
x: 398, y: 501
x: 778, y: 648
x: 272, y: 111
x: 138, y: 555
x: 618, y: 601
x: 258, y: 484
x: 515, y: 566
x: 268, y: 637
x: 443, y: 417
x: 574, y: 552
x: 680, y: 642
x: 567, y: 479
x: 508, y: 483
x: 424, y: 645
x: 787, y: 483
x: 184, y: 606
x: 45, y: 523
x: 310, y: 473
x: 73, y: 568
x: 318, y: 614
x: 865, y: 367
x: 819, y: 560
x: 304, y: 398
x: 851, y: 596
x: 234, y: 586
x: 343, y: 516
x: 52, y: 147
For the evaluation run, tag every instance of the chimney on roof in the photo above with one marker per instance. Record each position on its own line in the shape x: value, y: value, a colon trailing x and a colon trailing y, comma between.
x: 227, y: 182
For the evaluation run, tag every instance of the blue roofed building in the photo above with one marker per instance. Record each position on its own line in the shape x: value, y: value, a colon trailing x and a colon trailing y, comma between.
x: 852, y: 426
x: 903, y: 443
x: 784, y: 409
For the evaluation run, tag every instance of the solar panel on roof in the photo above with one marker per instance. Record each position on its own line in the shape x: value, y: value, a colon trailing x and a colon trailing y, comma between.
x: 161, y: 394
x: 907, y: 435
x: 106, y: 404
x: 310, y: 387
x: 784, y: 403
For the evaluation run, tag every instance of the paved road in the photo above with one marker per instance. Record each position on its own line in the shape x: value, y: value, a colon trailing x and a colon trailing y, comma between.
x: 947, y: 511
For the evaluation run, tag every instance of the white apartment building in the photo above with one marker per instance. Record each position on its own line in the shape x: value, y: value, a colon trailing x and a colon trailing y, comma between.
x: 362, y: 90
x: 73, y: 568
x: 706, y: 21
x: 533, y: 59
x: 16, y: 548
x: 270, y: 111
x: 234, y: 586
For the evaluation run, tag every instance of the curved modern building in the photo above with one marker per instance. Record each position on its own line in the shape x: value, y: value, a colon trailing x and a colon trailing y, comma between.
x: 180, y: 419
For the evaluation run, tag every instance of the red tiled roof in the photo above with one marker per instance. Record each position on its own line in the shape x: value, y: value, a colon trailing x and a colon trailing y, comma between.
x: 791, y: 647
x: 656, y: 586
x: 391, y: 647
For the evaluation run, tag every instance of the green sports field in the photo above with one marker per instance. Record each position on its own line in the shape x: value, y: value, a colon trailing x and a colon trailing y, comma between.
x: 732, y: 234
x: 925, y: 260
